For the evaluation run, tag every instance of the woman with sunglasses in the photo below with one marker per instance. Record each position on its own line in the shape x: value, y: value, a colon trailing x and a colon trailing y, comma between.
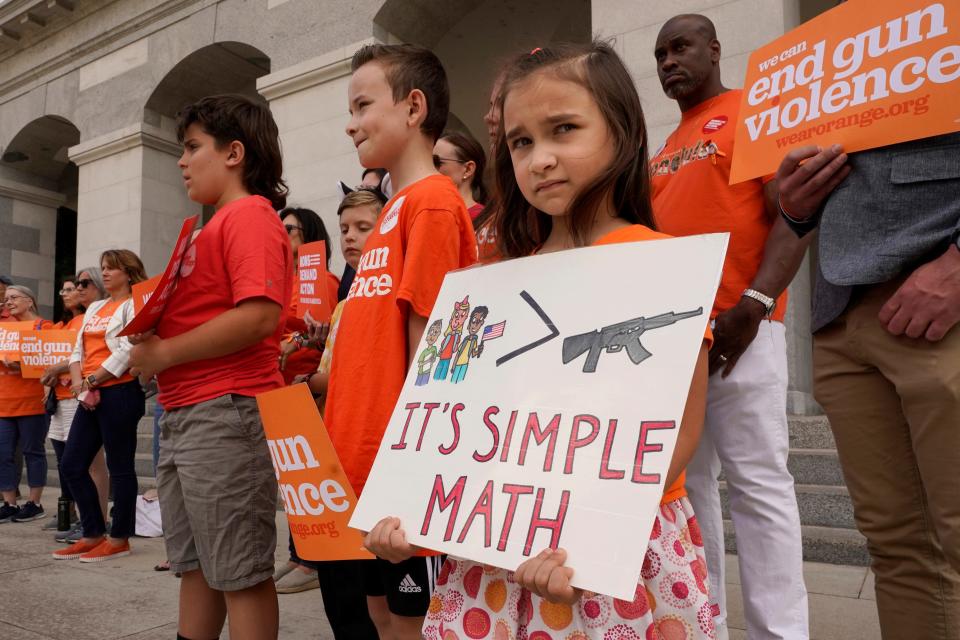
x: 296, y: 353
x: 461, y: 158
x: 299, y: 356
x: 111, y: 405
x: 22, y: 419
x: 77, y: 294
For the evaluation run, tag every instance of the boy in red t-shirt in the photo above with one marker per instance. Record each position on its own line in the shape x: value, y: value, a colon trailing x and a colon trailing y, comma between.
x: 399, y: 100
x: 216, y: 347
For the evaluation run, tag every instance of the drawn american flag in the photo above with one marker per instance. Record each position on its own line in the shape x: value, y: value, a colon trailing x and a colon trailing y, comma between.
x: 494, y: 330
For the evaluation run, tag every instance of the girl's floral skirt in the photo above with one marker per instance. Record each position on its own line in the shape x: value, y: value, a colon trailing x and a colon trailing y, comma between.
x: 472, y: 600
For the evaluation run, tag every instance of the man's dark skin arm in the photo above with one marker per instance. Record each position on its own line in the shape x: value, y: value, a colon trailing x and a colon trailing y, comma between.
x: 737, y: 327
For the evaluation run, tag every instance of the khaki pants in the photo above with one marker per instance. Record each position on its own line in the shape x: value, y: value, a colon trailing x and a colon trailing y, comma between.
x: 894, y: 407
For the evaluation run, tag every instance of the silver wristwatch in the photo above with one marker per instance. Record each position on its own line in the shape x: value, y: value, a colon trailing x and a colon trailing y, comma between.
x: 769, y: 303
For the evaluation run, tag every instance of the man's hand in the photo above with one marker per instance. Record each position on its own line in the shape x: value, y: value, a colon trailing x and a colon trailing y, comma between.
x: 927, y: 304
x: 137, y: 338
x: 148, y: 358
x: 806, y: 177
x: 545, y: 575
x: 287, y: 347
x: 733, y: 331
x: 388, y: 541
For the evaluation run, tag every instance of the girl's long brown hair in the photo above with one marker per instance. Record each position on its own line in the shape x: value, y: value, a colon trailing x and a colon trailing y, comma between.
x: 521, y: 228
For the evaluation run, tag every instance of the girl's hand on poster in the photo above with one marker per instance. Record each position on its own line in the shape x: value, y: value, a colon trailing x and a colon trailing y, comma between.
x: 388, y: 541
x: 546, y: 576
x: 12, y: 365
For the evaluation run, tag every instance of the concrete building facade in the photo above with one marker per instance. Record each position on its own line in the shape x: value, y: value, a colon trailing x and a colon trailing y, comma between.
x: 89, y: 91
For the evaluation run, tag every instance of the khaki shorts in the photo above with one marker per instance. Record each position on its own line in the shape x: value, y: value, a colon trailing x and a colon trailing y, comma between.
x: 218, y: 492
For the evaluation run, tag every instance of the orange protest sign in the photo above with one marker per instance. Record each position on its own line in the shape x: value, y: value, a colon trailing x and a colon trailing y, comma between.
x: 149, y: 315
x: 865, y: 74
x: 41, y: 349
x: 312, y: 279
x: 10, y: 338
x: 317, y: 496
x: 142, y: 292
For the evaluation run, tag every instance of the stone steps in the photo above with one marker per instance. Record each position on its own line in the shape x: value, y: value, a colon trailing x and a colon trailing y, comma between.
x: 826, y: 514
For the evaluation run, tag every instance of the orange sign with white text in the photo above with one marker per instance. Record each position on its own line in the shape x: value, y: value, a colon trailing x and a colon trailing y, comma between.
x: 43, y: 348
x: 152, y: 309
x: 10, y: 338
x: 317, y: 496
x: 312, y: 280
x: 865, y: 74
x: 142, y: 292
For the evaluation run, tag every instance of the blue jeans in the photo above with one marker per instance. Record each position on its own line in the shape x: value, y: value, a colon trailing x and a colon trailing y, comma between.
x: 29, y: 432
x: 113, y: 426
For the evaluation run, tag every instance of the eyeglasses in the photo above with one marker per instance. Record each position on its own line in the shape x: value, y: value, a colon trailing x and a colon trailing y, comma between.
x: 437, y: 161
x: 11, y: 299
x: 290, y: 228
x: 83, y: 284
x: 66, y: 291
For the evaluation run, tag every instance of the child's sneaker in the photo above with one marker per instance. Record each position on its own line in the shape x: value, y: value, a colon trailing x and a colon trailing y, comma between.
x: 29, y: 511
x: 105, y: 551
x: 77, y: 549
x: 7, y: 511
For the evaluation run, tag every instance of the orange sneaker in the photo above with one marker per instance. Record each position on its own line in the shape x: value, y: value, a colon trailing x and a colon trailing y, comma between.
x: 106, y: 550
x: 77, y: 549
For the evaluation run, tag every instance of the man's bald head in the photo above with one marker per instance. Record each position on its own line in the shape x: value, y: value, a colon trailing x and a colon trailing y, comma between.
x: 690, y: 22
x: 688, y: 59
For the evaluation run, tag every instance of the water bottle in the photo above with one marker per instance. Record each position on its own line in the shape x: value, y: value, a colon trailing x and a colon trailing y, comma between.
x: 64, y: 510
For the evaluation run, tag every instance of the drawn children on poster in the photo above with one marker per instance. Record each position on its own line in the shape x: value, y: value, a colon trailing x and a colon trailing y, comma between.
x: 429, y: 355
x: 471, y: 346
x: 451, y: 338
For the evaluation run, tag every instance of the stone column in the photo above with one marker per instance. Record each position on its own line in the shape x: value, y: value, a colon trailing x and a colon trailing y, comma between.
x: 309, y: 103
x: 28, y: 235
x: 130, y: 195
x: 742, y: 26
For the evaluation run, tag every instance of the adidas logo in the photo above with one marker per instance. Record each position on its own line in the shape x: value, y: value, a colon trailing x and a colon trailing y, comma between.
x: 407, y: 585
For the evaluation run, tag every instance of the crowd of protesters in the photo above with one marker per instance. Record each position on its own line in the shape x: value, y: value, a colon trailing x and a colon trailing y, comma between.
x: 568, y: 165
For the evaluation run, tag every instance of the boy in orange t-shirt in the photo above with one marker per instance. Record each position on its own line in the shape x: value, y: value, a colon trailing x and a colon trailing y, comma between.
x: 399, y: 99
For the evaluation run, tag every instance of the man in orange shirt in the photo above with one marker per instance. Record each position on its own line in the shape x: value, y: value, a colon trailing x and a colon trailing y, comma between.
x: 745, y: 432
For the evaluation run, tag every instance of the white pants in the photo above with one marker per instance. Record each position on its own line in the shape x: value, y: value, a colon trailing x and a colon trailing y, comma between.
x: 745, y: 434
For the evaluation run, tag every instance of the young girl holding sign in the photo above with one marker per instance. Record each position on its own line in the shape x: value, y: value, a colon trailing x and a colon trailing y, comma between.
x: 571, y: 171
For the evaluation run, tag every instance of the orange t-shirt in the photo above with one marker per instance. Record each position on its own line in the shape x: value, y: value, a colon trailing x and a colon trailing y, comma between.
x: 487, y: 242
x: 95, y: 349
x: 63, y: 383
x: 242, y: 253
x: 421, y: 234
x: 635, y: 233
x: 692, y: 194
x: 21, y: 396
x: 304, y: 360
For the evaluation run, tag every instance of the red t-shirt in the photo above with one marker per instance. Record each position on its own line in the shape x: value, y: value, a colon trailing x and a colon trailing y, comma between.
x: 475, y: 210
x: 421, y: 234
x: 21, y: 396
x: 692, y: 194
x: 241, y: 254
x: 304, y: 360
